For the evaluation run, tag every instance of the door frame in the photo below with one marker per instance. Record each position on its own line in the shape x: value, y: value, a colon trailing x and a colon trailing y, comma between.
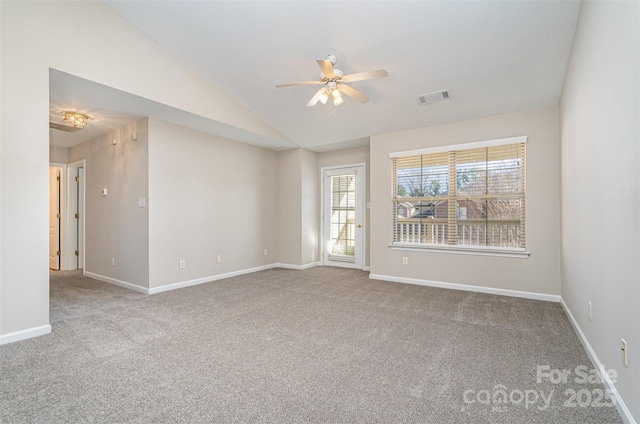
x: 71, y: 262
x: 362, y: 190
x: 62, y: 199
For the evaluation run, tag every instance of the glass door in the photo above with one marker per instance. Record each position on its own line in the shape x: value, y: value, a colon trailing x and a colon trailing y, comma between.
x: 343, y: 217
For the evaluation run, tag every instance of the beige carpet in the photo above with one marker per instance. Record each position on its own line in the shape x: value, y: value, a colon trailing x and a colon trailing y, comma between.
x: 325, y: 345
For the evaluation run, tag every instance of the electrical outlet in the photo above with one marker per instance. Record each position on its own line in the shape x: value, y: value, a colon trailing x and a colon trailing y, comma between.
x: 219, y: 258
x: 589, y: 305
x: 113, y: 262
x: 183, y: 264
x: 266, y: 252
x: 623, y: 348
x: 405, y: 261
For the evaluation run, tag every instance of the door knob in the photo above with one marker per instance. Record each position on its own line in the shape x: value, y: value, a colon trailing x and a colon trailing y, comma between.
x: 359, y: 225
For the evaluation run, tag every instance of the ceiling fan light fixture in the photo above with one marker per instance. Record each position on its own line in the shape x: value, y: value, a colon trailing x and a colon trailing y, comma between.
x: 337, y: 100
x: 324, y: 97
x: 75, y: 119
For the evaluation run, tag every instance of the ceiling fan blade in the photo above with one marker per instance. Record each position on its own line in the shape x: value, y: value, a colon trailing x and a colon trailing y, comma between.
x: 299, y: 83
x: 380, y: 73
x: 326, y: 67
x: 352, y: 92
x: 316, y: 97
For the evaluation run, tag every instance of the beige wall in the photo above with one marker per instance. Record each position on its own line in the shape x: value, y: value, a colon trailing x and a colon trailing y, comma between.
x: 107, y: 50
x: 208, y: 196
x: 58, y: 155
x: 115, y: 227
x: 298, y: 207
x: 310, y: 187
x: 540, y: 273
x: 350, y: 157
x: 289, y: 219
x: 601, y: 188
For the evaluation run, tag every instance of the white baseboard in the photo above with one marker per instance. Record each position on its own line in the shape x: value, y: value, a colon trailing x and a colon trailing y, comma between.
x: 620, y: 405
x: 466, y: 287
x: 366, y: 268
x: 209, y: 279
x: 194, y: 282
x: 228, y: 275
x: 29, y: 333
x: 116, y: 282
x: 296, y: 267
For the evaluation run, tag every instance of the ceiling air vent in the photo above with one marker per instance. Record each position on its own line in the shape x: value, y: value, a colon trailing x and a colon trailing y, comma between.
x: 61, y: 127
x: 435, y: 97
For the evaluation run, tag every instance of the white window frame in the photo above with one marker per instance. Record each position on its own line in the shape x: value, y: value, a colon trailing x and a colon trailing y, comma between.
x: 516, y: 252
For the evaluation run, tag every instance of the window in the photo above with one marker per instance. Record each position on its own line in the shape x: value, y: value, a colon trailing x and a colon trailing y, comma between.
x: 343, y: 215
x: 469, y: 196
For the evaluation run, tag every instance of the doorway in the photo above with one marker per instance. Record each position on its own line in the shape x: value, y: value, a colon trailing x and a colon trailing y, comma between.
x: 55, y: 216
x: 343, y: 216
x: 66, y: 216
x: 75, y: 216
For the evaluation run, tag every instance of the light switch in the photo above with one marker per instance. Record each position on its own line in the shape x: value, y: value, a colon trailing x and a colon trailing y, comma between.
x: 142, y: 202
x: 104, y: 191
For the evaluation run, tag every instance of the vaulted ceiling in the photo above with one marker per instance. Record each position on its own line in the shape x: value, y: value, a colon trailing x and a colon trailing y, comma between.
x: 493, y: 56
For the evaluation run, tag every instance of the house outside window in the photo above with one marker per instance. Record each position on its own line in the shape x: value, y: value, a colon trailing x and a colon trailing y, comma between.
x: 469, y: 196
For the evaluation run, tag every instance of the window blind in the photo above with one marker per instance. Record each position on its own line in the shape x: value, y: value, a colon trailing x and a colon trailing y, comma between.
x: 471, y: 197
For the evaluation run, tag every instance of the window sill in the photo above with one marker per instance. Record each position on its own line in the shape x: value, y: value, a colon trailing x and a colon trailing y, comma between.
x: 463, y: 250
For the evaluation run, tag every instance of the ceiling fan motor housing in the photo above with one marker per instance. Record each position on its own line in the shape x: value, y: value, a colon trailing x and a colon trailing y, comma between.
x: 337, y: 72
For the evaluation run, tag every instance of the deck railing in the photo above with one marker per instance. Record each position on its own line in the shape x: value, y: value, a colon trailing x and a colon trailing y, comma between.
x: 470, y: 232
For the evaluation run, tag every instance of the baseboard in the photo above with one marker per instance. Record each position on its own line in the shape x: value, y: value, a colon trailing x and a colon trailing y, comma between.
x: 620, y: 405
x: 202, y: 280
x: 296, y: 267
x: 466, y: 287
x: 29, y: 333
x: 209, y: 279
x: 116, y: 282
x: 366, y: 268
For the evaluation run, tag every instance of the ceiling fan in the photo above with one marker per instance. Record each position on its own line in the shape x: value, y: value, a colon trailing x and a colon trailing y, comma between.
x: 333, y: 81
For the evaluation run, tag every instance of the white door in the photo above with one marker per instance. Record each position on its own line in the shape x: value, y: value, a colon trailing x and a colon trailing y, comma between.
x: 343, y: 216
x: 80, y: 218
x: 76, y: 220
x: 54, y: 218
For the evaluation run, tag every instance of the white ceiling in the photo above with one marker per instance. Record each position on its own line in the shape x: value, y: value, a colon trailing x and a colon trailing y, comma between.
x: 109, y: 109
x: 493, y: 56
x: 70, y: 93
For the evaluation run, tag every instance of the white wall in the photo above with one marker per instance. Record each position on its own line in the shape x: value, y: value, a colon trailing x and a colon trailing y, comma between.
x: 208, y: 196
x: 349, y: 157
x: 600, y: 186
x: 540, y: 273
x: 115, y: 226
x: 107, y: 50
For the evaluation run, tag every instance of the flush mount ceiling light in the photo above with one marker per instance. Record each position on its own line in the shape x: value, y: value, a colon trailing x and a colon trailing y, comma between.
x: 77, y: 120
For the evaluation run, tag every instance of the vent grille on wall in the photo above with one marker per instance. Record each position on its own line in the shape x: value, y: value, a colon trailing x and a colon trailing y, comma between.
x: 435, y: 97
x: 61, y: 127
